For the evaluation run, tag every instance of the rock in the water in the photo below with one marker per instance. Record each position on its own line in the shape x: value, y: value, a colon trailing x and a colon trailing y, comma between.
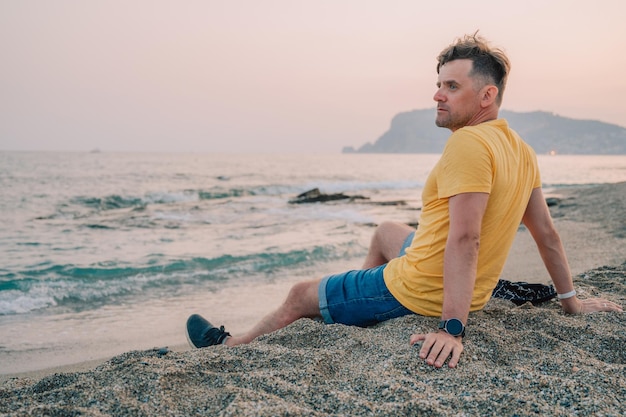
x: 316, y: 196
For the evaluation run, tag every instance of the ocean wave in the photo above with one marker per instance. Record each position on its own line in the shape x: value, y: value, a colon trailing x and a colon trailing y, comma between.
x: 260, y: 190
x: 357, y: 186
x: 566, y: 185
x: 554, y: 190
x: 81, y: 288
x: 111, y: 202
x: 82, y: 206
x: 292, y: 190
x: 221, y: 193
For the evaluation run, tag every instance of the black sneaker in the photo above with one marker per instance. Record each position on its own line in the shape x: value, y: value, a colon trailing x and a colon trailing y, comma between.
x: 201, y: 333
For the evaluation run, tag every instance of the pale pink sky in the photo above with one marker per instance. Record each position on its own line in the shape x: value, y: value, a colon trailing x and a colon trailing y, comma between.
x: 283, y: 75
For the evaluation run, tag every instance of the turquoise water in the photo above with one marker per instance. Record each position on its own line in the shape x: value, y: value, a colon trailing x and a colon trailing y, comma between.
x: 82, y: 234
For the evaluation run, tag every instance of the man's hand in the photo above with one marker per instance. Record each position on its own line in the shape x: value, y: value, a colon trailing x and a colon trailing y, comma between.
x: 575, y: 305
x: 437, y: 347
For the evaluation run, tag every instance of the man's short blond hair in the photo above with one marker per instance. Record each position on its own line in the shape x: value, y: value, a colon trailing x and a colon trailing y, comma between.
x: 489, y: 65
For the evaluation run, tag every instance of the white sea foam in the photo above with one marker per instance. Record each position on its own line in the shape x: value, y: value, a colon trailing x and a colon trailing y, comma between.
x: 18, y: 302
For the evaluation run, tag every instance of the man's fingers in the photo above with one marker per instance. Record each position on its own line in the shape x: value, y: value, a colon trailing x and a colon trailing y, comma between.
x: 598, y: 304
x: 456, y: 355
x: 606, y: 305
x: 437, y: 348
x: 427, y: 347
x: 441, y: 356
x: 417, y: 338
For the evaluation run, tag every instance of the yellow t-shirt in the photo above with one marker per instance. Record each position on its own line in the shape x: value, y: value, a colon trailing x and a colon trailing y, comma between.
x: 488, y: 158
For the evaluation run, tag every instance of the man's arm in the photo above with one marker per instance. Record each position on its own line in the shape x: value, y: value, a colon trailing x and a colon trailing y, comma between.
x: 461, y: 256
x: 539, y: 222
x: 459, y: 276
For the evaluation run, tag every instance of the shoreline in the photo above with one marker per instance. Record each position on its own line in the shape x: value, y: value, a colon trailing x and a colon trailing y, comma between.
x: 591, y: 222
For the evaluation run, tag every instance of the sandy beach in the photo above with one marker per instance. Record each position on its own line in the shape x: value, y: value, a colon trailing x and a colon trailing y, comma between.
x: 518, y: 360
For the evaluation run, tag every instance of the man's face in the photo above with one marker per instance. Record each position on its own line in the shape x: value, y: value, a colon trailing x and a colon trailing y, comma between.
x: 458, y: 100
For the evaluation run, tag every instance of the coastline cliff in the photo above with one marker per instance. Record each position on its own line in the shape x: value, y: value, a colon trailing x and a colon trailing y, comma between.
x: 415, y: 132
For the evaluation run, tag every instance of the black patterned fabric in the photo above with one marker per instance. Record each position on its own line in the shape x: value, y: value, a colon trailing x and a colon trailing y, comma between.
x: 522, y: 292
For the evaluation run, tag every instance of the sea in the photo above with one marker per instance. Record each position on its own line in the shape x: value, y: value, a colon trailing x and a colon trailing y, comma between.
x: 101, y: 253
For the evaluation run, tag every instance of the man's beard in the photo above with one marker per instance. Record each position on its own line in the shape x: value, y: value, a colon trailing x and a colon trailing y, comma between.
x: 452, y: 122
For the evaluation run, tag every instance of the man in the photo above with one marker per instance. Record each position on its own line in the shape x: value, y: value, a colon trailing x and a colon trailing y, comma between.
x: 486, y: 183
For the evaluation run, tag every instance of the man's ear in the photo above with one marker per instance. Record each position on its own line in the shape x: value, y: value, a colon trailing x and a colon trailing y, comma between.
x: 489, y: 94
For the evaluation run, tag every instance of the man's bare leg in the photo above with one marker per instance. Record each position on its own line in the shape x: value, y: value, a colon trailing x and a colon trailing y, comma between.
x: 302, y: 301
x: 303, y: 298
x: 386, y: 243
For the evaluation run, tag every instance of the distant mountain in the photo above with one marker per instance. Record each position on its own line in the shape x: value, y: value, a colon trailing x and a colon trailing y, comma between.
x: 415, y: 132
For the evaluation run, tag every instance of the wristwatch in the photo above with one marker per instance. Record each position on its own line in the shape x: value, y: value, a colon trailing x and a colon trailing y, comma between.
x: 453, y: 327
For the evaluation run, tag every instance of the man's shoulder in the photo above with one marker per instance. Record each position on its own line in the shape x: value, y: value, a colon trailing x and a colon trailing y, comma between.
x: 480, y: 133
x: 498, y: 128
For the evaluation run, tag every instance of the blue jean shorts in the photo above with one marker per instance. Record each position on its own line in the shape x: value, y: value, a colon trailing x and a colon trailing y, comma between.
x: 359, y: 297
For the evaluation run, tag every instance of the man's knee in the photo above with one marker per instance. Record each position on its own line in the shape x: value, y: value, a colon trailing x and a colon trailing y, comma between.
x: 388, y: 239
x: 299, y: 290
x: 303, y: 298
x: 381, y: 231
x: 382, y: 227
x: 391, y: 232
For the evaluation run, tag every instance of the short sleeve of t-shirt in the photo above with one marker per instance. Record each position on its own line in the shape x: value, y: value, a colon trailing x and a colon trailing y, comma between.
x: 466, y: 166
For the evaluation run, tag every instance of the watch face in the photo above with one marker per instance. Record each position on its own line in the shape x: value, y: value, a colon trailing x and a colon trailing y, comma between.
x: 454, y: 327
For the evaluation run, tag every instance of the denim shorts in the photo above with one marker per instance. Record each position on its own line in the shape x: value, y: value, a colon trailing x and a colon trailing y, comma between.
x: 359, y: 297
